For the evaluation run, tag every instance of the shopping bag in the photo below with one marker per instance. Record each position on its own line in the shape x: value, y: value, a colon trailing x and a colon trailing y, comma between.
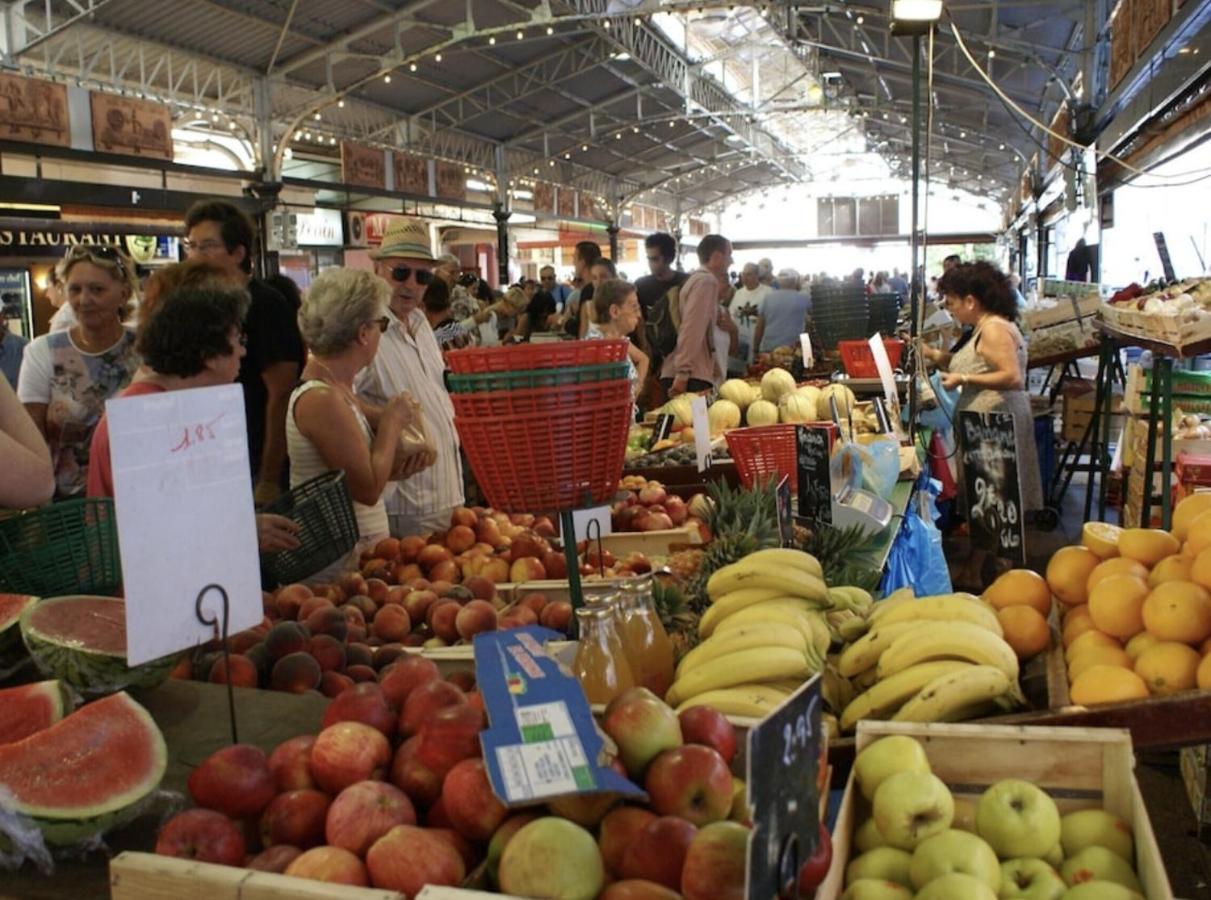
x: 916, y: 559
x: 414, y: 439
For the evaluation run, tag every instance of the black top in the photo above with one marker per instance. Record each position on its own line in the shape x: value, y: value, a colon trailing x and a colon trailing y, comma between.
x: 650, y: 289
x: 272, y: 331
x: 541, y: 308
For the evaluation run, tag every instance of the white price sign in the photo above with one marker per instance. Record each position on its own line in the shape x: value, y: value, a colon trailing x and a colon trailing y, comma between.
x: 883, y: 364
x: 183, y: 496
x: 702, y: 432
x: 805, y: 344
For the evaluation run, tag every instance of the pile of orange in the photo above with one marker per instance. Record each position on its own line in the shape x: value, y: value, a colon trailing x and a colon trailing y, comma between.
x: 1136, y: 606
x: 1022, y: 599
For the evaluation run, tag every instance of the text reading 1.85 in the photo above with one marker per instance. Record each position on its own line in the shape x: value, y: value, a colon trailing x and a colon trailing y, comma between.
x: 197, y: 434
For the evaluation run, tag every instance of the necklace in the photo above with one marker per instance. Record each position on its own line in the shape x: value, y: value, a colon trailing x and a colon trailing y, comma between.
x: 333, y: 381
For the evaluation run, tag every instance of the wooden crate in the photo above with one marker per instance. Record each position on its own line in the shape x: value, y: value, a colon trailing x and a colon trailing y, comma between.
x: 1078, y: 411
x: 1122, y: 41
x: 1148, y: 18
x: 1079, y: 767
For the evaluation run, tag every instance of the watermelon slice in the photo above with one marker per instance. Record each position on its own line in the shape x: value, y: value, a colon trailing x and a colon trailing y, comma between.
x: 11, y: 607
x: 81, y: 640
x: 30, y: 708
x: 86, y: 774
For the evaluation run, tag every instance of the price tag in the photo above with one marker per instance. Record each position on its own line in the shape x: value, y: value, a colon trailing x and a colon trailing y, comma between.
x: 783, y: 792
x: 185, y: 515
x: 582, y: 517
x: 993, y: 489
x: 661, y: 429
x: 805, y: 344
x: 702, y: 432
x: 883, y: 364
x: 786, y: 524
x: 814, y: 451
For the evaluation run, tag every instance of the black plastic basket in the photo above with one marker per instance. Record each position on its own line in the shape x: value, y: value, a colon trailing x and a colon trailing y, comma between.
x: 839, y: 313
x: 327, y: 528
x: 63, y: 548
x: 884, y: 314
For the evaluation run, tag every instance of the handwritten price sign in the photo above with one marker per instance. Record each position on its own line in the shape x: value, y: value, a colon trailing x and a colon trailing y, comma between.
x: 196, y: 434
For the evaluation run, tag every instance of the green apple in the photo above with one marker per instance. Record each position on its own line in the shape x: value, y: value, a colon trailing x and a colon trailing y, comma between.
x: 956, y: 886
x: 884, y: 863
x: 1032, y: 879
x: 1054, y: 857
x: 965, y: 814
x: 1096, y: 828
x: 874, y: 889
x: 884, y: 758
x: 1099, y: 864
x: 740, y: 810
x: 1100, y: 890
x: 1017, y: 819
x: 911, y: 806
x: 954, y: 851
x: 867, y: 837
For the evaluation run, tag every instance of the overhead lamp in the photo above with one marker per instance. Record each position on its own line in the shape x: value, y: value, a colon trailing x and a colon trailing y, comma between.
x: 340, y: 104
x: 914, y: 16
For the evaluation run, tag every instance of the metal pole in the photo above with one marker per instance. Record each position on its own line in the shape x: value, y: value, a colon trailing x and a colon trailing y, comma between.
x: 501, y: 215
x: 612, y: 230
x: 916, y: 278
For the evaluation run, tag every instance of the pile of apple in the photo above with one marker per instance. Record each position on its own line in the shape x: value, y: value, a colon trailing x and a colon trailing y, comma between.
x: 393, y: 793
x: 645, y: 505
x: 351, y: 631
x: 1010, y: 842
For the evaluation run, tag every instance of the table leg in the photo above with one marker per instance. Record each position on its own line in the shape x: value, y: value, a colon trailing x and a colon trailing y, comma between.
x: 1095, y: 431
x: 1154, y: 404
x: 1164, y: 374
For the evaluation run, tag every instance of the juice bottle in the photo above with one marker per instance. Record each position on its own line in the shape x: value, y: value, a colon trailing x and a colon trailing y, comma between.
x: 601, y: 664
x: 618, y: 605
x: 645, y: 635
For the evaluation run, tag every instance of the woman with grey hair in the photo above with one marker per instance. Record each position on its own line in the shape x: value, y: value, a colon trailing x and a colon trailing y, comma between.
x: 783, y: 315
x: 342, y: 319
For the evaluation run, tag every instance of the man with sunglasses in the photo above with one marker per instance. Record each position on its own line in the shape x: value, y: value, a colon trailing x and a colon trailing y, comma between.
x: 561, y: 292
x: 409, y: 359
x: 219, y: 233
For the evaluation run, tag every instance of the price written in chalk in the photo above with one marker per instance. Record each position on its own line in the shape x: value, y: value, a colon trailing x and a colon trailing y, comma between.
x: 797, y: 735
x: 191, y: 435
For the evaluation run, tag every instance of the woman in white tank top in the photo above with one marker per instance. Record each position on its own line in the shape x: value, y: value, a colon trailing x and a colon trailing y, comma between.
x: 342, y: 319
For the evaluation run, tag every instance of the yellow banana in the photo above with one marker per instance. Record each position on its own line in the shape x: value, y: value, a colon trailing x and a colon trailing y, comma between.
x: 891, y: 601
x: 753, y: 701
x: 752, y: 666
x: 787, y: 685
x: 956, y: 695
x: 865, y: 680
x: 946, y: 608
x: 789, y: 611
x: 787, y: 580
x: 864, y: 653
x: 777, y: 557
x: 731, y: 640
x: 885, y: 697
x: 730, y: 604
x: 948, y: 640
x: 745, y: 596
x: 835, y: 688
x: 850, y: 598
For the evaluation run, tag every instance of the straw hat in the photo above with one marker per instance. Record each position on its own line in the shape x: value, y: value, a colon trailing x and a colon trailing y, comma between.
x: 407, y: 238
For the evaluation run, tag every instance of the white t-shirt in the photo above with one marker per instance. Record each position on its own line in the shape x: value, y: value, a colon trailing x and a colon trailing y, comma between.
x: 63, y: 319
x: 746, y: 305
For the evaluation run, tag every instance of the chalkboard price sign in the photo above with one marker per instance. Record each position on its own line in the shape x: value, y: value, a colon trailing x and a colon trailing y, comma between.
x: 994, y: 491
x: 815, y: 481
x: 661, y: 429
x: 786, y: 525
x: 783, y: 762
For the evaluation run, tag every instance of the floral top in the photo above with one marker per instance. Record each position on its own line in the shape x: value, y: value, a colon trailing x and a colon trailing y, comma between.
x: 74, y: 385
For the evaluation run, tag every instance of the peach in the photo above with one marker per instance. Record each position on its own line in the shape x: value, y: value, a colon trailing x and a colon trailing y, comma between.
x: 524, y: 545
x: 534, y: 602
x: 361, y: 673
x: 443, y: 619
x: 354, y: 618
x: 476, y: 616
x: 242, y: 671
x: 364, y: 605
x: 417, y: 604
x: 328, y: 652
x: 285, y: 638
x: 544, y: 527
x: 392, y: 623
x: 447, y: 570
x: 410, y: 547
x: 481, y: 588
x: 375, y: 568
x: 555, y: 563
x: 352, y: 583
x: 377, y: 590
x: 433, y: 554
x: 387, y: 548
x: 460, y: 539
x: 440, y: 586
x: 517, y: 617
x: 311, y: 604
x: 359, y: 654
x: 405, y: 573
x: 464, y: 517
x: 395, y: 594
x: 290, y: 598
x: 526, y: 568
x: 557, y: 616
x: 386, y: 655
x: 328, y: 620
x: 296, y: 673
x: 488, y: 532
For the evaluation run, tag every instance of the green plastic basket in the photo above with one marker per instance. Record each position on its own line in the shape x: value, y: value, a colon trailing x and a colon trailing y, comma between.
x: 535, y: 378
x: 327, y: 528
x: 63, y: 548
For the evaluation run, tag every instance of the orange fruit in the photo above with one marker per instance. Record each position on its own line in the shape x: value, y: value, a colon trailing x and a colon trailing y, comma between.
x: 1168, y: 667
x: 1020, y: 587
x: 1068, y: 571
x: 1147, y: 545
x: 1087, y: 640
x: 1171, y: 568
x: 1107, y: 684
x: 1116, y: 605
x: 1178, y: 611
x: 1102, y: 538
x: 1141, y: 642
x: 1205, y: 647
x: 1098, y: 656
x: 1198, y: 535
x: 1200, y: 569
x: 1025, y: 630
x: 1077, y: 622
x: 1120, y: 565
x: 1203, y: 676
x: 1187, y: 511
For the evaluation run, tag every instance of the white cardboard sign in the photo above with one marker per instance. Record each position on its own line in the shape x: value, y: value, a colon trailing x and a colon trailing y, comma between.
x: 883, y: 364
x: 805, y: 344
x: 582, y: 517
x: 183, y: 497
x: 702, y: 432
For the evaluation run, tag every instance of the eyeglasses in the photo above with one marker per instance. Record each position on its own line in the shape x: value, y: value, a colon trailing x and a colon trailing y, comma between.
x: 103, y: 252
x: 201, y: 246
x: 383, y: 323
x: 401, y: 273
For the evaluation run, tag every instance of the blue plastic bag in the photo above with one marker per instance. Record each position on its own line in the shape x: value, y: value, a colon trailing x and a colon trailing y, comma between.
x: 941, y: 417
x: 916, y: 559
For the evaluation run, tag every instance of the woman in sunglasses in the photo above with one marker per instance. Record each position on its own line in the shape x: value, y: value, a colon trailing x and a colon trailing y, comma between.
x: 67, y: 376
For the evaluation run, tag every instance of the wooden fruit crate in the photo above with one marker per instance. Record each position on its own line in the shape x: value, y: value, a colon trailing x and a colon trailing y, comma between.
x: 1079, y: 767
x: 1122, y: 41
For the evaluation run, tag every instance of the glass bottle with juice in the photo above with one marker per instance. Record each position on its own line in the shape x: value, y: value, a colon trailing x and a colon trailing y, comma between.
x: 646, y: 637
x: 601, y: 664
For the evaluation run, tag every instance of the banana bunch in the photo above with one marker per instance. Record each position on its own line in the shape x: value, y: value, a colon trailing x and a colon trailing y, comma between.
x: 933, y: 659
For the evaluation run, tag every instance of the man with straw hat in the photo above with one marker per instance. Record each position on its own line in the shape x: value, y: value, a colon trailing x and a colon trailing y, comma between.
x: 409, y: 359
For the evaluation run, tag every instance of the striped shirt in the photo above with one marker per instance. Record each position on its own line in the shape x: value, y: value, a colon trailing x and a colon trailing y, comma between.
x: 409, y: 359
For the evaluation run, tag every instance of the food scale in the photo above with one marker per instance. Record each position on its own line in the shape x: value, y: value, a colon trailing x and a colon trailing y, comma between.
x: 853, y: 506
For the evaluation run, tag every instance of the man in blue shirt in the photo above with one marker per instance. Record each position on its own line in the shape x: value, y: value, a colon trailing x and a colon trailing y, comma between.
x: 12, y: 349
x: 561, y: 292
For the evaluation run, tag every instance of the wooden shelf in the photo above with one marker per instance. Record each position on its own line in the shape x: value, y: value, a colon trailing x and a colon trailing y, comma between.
x: 1185, y: 351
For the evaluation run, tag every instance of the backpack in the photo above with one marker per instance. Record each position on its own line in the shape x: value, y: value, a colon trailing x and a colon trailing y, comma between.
x: 663, y: 321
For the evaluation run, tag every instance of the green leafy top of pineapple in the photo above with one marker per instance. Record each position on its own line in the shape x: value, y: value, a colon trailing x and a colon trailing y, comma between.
x: 847, y: 555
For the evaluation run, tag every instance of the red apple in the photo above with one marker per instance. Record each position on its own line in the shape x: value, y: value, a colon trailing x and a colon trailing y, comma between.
x: 467, y: 850
x: 637, y: 889
x: 706, y: 725
x: 618, y: 829
x: 274, y: 859
x: 692, y: 782
x: 657, y: 521
x: 450, y: 735
x: 555, y: 564
x: 295, y: 818
x: 658, y: 851
x: 643, y: 726
x: 407, y: 858
x: 424, y: 701
x: 715, y: 863
x: 204, y: 835
x: 400, y: 678
x: 235, y: 781
x: 346, y: 753
x: 413, y: 777
x: 330, y: 864
x: 814, y: 870
x: 290, y: 764
x: 653, y: 494
x: 677, y: 511
x: 363, y: 812
x: 526, y: 568
x: 365, y: 703
x: 472, y: 807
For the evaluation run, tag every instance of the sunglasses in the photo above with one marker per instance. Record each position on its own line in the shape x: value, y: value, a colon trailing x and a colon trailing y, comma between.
x: 401, y: 273
x: 103, y: 252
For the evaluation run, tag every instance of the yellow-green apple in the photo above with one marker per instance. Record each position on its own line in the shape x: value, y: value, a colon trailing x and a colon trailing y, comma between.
x: 235, y: 781
x: 657, y: 852
x: 884, y: 758
x: 407, y: 858
x: 954, y: 851
x: 956, y: 886
x: 874, y: 889
x: 1100, y: 890
x: 363, y: 812
x: 552, y: 857
x: 500, y: 838
x: 618, y: 829
x: 474, y: 809
x: 1031, y: 879
x: 706, y: 725
x: 1054, y: 857
x: 815, y: 868
x: 346, y: 753
x: 883, y: 863
x: 867, y: 837
x: 715, y: 863
x: 692, y: 782
x: 638, y: 889
x: 739, y: 811
x: 965, y: 813
x: 643, y: 726
x: 910, y: 806
x: 1017, y: 819
x: 1094, y: 828
x: 295, y: 818
x: 203, y: 835
x: 334, y: 865
x: 1099, y: 864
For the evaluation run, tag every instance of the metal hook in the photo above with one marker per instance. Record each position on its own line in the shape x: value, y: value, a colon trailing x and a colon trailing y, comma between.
x: 220, y: 629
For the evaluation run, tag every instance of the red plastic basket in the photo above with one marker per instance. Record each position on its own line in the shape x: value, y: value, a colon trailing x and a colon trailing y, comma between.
x: 765, y: 451
x: 522, y: 357
x: 860, y: 362
x: 542, y: 400
x: 548, y: 461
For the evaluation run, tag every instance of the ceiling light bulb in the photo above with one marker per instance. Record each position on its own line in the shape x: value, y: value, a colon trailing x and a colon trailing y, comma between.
x: 386, y: 79
x: 962, y: 134
x: 520, y: 34
x: 437, y: 57
x: 318, y: 117
x: 635, y: 128
x: 492, y: 41
x: 412, y: 68
x: 332, y: 140
x: 1001, y: 147
x: 550, y: 30
x: 992, y: 54
x: 606, y: 23
x: 567, y: 156
x: 340, y: 104
x: 551, y: 164
x: 584, y: 147
x: 618, y: 136
x: 861, y: 19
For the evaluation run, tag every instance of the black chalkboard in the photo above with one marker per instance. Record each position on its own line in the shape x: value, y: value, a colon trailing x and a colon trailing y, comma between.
x: 786, y: 524
x: 783, y: 762
x: 1162, y: 249
x: 815, y: 481
x: 989, y: 453
x: 662, y: 428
